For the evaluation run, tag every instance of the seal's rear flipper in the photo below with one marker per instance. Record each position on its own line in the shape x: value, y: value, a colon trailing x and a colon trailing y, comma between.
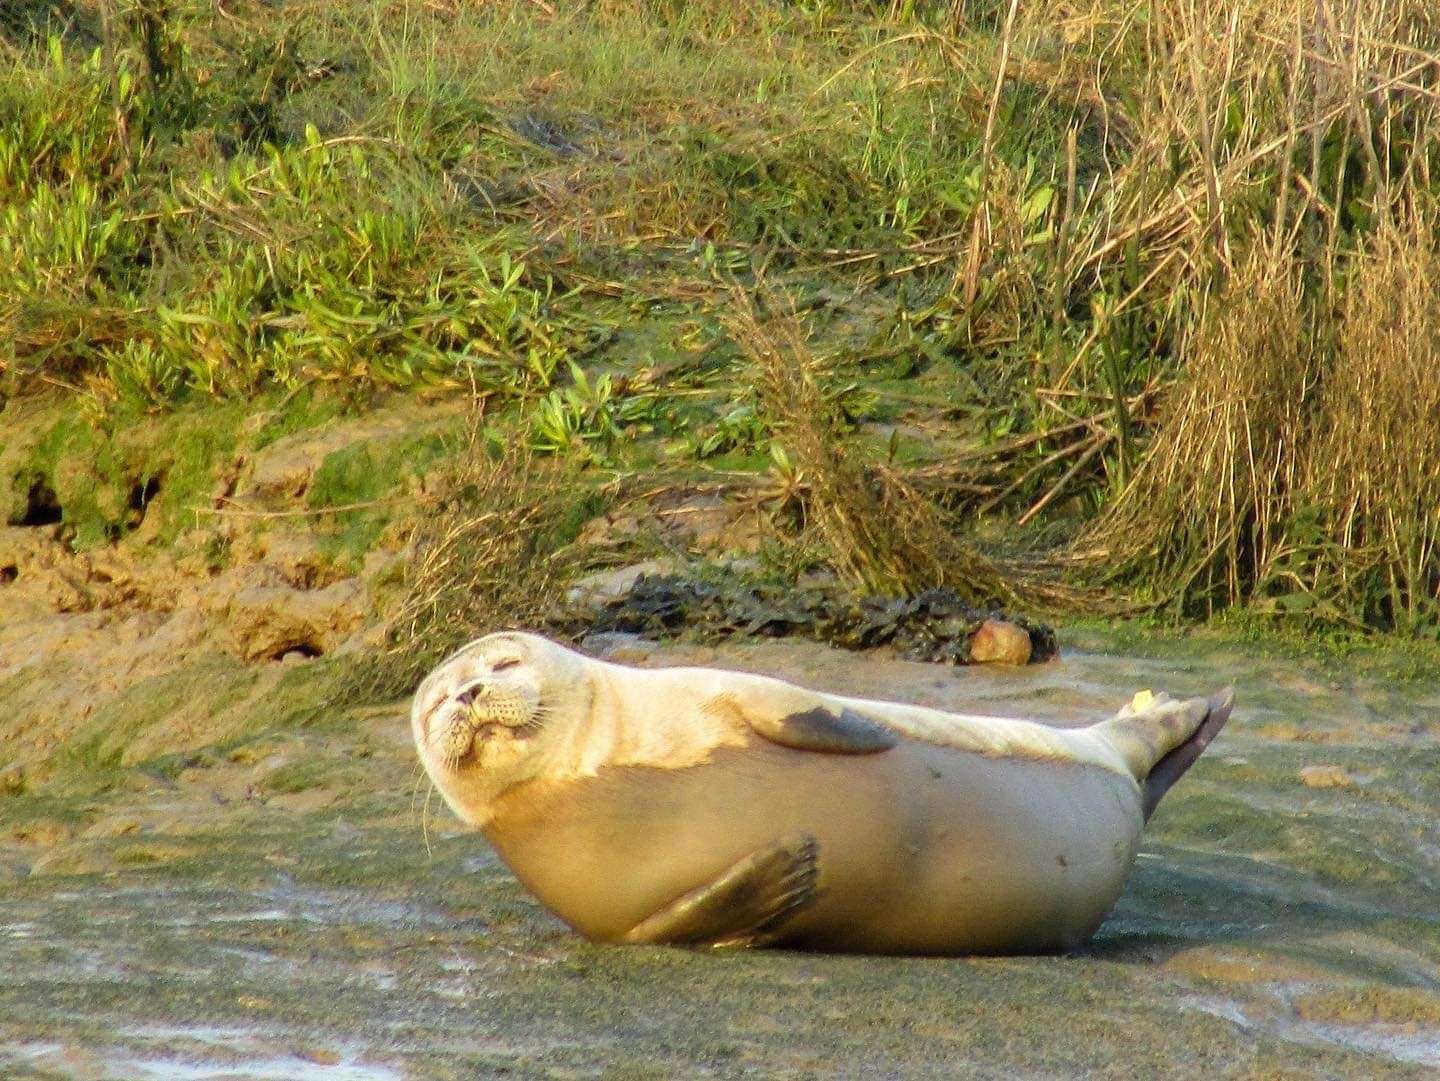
x: 1171, y: 767
x: 746, y: 906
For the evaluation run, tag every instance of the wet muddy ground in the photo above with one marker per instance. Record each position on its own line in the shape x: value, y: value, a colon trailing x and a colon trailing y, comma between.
x: 285, y: 908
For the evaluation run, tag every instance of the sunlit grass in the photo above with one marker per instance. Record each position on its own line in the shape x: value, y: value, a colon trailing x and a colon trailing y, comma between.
x: 1137, y: 249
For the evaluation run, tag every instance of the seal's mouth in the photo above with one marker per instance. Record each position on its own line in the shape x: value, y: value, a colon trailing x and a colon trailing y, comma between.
x: 460, y: 737
x: 488, y: 730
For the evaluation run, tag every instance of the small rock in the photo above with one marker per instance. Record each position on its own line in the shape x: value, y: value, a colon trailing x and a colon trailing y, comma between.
x: 320, y: 1056
x: 12, y: 780
x: 1327, y: 775
x: 595, y: 590
x: 999, y: 642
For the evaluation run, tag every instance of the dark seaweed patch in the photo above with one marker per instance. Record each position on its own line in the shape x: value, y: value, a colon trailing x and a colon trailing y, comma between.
x: 935, y: 625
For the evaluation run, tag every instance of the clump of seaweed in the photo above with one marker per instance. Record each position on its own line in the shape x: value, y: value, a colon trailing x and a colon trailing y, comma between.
x: 935, y: 625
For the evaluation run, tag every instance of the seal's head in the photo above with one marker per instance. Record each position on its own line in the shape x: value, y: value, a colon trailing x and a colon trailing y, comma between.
x: 492, y: 714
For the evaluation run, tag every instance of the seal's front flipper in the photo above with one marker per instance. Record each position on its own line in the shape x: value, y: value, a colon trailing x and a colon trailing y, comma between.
x: 828, y: 731
x: 804, y: 721
x: 746, y: 906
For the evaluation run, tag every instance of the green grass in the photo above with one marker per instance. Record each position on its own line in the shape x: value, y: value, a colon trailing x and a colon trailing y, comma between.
x: 1040, y: 244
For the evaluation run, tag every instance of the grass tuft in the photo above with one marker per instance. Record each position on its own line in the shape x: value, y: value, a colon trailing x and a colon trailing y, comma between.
x: 495, y: 554
x: 879, y: 532
x: 1204, y: 518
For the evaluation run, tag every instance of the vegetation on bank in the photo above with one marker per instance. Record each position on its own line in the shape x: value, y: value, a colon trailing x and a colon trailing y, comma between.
x: 1037, y: 301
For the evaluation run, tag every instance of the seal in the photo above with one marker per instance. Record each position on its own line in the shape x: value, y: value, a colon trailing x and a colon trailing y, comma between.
x: 706, y: 807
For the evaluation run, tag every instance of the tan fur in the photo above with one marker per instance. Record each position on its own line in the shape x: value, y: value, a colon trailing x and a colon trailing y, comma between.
x: 673, y: 718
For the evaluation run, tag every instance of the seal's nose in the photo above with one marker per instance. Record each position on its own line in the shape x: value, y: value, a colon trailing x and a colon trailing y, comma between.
x: 466, y: 694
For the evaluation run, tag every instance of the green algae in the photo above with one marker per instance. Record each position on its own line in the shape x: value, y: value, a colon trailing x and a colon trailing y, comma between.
x: 112, y: 471
x: 115, y: 734
x: 361, y: 475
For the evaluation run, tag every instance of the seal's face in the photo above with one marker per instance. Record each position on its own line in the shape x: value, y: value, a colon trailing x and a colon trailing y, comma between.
x: 484, y: 718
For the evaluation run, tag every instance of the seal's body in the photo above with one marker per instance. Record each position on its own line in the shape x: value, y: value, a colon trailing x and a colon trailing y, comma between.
x: 702, y: 806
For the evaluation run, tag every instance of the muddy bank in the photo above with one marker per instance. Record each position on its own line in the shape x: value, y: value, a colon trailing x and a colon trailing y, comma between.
x: 270, y: 909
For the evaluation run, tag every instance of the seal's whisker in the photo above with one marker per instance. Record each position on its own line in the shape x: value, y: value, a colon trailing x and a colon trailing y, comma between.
x: 418, y: 773
x: 425, y: 820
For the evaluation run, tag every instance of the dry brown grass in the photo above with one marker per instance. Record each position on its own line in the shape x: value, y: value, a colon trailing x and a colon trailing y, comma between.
x: 1375, y: 467
x: 495, y: 554
x: 1205, y: 514
x: 1297, y: 461
x: 1277, y: 154
x: 880, y: 533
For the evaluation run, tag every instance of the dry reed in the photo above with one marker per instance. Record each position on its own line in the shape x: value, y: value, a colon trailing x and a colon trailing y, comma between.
x: 1204, y: 516
x: 494, y: 555
x: 1375, y: 467
x: 881, y: 533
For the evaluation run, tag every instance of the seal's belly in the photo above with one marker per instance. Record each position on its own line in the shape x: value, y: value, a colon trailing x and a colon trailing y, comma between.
x: 923, y: 849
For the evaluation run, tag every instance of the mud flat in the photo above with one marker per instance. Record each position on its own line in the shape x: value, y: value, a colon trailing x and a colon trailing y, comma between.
x: 282, y: 906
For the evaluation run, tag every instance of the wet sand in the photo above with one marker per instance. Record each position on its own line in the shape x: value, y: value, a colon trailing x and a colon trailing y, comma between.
x: 284, y: 908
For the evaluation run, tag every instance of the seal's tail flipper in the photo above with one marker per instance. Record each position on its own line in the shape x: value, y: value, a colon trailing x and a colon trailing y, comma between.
x: 1171, y: 767
x: 1160, y: 738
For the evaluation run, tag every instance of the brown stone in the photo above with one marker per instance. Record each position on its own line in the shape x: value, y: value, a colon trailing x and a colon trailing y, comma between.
x: 999, y: 642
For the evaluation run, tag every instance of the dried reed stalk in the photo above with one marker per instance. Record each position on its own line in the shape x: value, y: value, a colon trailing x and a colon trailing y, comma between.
x: 1375, y: 468
x: 881, y: 533
x: 490, y: 557
x: 1205, y: 512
